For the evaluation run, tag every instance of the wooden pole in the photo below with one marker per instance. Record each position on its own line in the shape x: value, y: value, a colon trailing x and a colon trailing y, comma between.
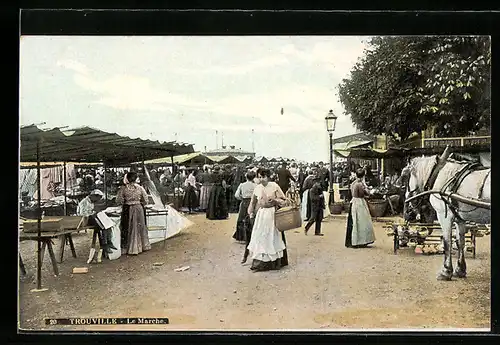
x: 39, y: 216
x: 331, y: 192
x: 105, y: 186
x: 173, y: 176
x: 65, y: 184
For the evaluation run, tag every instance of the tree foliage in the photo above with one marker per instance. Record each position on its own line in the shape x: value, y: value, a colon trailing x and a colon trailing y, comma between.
x: 404, y: 85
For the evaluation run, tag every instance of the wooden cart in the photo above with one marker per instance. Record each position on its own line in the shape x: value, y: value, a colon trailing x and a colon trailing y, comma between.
x: 429, y: 237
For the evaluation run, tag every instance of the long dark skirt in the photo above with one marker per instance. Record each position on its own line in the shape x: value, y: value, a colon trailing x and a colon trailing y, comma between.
x: 231, y: 201
x: 133, y: 229
x: 217, y: 203
x: 277, y: 264
x: 243, y: 222
x: 190, y: 198
x: 348, y: 234
x: 308, y: 212
x: 235, y: 203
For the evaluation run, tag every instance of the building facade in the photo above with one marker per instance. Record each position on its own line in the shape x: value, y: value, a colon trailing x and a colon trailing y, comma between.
x: 230, y: 151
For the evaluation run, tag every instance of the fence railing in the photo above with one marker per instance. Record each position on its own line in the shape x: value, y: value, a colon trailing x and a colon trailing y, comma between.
x: 456, y: 142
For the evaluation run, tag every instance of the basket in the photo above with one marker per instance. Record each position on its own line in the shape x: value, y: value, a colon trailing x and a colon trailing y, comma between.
x: 336, y: 208
x: 288, y: 218
x: 377, y: 207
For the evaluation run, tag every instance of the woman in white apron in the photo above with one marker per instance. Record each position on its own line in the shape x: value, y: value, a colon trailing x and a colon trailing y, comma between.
x: 267, y: 245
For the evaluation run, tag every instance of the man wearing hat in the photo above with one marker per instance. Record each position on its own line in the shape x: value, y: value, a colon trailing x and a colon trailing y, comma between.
x: 87, y: 208
x: 317, y: 200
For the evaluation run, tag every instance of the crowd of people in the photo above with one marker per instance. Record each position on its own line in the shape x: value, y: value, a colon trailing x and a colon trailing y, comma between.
x: 255, y: 193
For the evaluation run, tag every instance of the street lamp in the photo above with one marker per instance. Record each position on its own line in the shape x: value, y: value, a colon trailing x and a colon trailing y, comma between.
x: 331, y: 120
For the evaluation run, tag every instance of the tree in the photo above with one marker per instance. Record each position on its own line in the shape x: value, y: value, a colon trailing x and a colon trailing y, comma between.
x: 404, y: 85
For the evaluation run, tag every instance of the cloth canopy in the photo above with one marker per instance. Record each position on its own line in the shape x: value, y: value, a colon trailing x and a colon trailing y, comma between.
x: 87, y: 144
x: 181, y: 159
x: 224, y: 159
x: 371, y: 153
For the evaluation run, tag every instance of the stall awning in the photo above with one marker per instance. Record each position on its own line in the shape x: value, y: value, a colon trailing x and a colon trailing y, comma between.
x: 32, y: 165
x: 88, y: 144
x: 261, y: 159
x: 243, y: 158
x: 181, y: 159
x: 346, y: 146
x: 224, y: 159
x: 367, y: 153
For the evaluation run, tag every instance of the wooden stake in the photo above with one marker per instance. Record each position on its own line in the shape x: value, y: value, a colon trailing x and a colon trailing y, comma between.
x: 39, y: 219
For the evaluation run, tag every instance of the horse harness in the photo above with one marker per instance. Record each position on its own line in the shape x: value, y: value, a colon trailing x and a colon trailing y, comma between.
x: 454, y: 183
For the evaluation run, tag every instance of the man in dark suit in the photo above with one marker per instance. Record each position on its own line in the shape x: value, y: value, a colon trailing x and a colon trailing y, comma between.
x: 284, y: 177
x: 317, y: 200
x: 302, y: 177
x: 324, y: 176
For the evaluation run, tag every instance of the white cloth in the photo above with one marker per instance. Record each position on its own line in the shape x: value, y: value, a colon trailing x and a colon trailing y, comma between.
x: 106, y: 222
x: 266, y: 243
x: 326, y: 211
x: 362, y: 226
x: 115, y: 240
x: 191, y: 180
x: 85, y: 207
x: 303, y: 205
x: 176, y: 222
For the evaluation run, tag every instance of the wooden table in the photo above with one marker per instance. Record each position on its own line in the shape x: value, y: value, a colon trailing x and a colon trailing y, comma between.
x: 46, y: 238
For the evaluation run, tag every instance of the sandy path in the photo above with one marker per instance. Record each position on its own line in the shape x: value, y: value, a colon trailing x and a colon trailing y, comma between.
x: 325, y: 286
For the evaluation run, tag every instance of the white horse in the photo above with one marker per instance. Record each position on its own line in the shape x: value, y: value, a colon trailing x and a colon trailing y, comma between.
x: 476, y: 185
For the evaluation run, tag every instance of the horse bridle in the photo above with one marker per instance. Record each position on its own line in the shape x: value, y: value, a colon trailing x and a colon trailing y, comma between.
x: 416, y: 189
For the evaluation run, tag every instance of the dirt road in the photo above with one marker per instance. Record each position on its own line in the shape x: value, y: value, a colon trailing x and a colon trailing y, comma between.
x: 325, y: 286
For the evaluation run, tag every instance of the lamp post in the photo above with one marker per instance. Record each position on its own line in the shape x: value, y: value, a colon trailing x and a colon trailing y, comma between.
x: 331, y: 120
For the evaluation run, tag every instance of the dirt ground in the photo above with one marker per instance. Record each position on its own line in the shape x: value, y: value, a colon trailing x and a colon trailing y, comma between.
x: 325, y: 286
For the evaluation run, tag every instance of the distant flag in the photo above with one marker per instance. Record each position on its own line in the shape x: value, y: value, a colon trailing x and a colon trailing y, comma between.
x: 281, y: 111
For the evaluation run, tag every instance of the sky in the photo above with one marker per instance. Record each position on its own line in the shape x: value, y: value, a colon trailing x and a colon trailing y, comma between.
x: 185, y: 88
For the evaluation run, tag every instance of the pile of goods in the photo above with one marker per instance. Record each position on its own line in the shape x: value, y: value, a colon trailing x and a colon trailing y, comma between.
x: 427, y: 238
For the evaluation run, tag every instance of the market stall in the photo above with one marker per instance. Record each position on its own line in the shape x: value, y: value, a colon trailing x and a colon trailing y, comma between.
x: 84, y: 145
x: 384, y: 199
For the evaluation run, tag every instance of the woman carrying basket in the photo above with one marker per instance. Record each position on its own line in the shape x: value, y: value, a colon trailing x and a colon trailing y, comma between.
x: 267, y: 246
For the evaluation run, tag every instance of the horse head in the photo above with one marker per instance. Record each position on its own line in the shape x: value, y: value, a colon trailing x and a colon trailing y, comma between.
x: 416, y: 174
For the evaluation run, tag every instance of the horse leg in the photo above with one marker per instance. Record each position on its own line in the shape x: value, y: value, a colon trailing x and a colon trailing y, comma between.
x: 447, y: 227
x: 461, y: 269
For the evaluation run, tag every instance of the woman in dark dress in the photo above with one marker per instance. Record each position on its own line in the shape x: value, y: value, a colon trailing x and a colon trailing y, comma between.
x: 228, y: 176
x: 217, y: 202
x: 238, y: 178
x: 190, y: 197
x: 244, y: 193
